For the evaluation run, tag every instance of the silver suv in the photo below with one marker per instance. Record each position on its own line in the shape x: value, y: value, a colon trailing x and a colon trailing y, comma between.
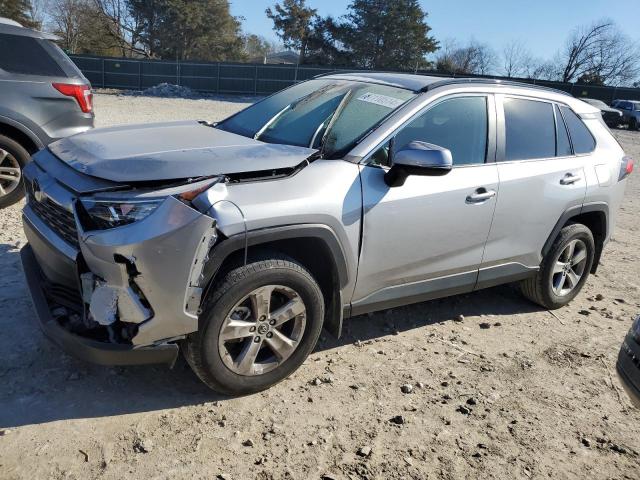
x: 238, y: 242
x: 43, y: 97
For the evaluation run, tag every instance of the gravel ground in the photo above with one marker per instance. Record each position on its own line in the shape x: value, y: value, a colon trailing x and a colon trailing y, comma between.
x: 532, y: 396
x: 112, y: 109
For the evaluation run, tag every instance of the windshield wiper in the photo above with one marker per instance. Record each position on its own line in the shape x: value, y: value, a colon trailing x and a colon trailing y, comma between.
x: 292, y: 106
x: 334, y: 118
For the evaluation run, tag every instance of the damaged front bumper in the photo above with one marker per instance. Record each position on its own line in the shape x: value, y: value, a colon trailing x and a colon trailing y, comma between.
x: 119, y: 296
x: 86, y: 349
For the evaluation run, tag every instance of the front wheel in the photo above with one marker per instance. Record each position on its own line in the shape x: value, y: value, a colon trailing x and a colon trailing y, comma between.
x: 258, y: 327
x: 564, y: 269
x: 13, y: 157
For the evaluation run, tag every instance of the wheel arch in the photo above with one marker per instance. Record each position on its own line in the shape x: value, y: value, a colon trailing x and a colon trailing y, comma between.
x: 595, y: 216
x: 21, y: 134
x: 316, y: 247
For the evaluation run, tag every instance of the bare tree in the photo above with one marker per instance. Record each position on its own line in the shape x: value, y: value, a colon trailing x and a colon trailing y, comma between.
x: 516, y: 59
x: 38, y: 11
x: 579, y: 49
x: 474, y: 58
x: 600, y: 50
x: 81, y: 27
x: 543, y: 70
x: 616, y: 60
x: 66, y: 20
x: 124, y: 28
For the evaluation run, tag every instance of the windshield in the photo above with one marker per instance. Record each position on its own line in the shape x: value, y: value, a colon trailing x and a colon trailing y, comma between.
x: 326, y: 114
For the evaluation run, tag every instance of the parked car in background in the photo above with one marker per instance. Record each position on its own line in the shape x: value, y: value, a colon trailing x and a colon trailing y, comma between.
x: 239, y: 242
x: 43, y: 97
x: 630, y: 112
x: 611, y: 116
x: 628, y: 364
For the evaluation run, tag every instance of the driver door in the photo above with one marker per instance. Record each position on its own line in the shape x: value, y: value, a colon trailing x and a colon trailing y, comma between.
x: 426, y: 238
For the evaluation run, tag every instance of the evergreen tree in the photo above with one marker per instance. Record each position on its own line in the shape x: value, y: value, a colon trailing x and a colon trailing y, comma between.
x: 175, y: 29
x: 292, y: 21
x: 18, y: 10
x: 386, y: 34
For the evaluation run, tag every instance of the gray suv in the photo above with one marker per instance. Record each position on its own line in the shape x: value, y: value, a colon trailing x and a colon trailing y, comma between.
x: 43, y: 97
x: 237, y: 242
x: 630, y: 112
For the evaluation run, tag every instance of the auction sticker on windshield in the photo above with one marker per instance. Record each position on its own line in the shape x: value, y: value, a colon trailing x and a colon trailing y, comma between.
x: 382, y: 100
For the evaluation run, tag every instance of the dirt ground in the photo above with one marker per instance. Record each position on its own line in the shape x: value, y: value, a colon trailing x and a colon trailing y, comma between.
x: 533, y: 396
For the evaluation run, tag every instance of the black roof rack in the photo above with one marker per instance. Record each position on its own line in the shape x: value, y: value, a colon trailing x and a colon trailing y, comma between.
x: 491, y: 81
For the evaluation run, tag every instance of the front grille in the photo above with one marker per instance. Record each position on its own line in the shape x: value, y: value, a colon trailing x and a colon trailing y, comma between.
x: 62, y: 295
x: 56, y: 217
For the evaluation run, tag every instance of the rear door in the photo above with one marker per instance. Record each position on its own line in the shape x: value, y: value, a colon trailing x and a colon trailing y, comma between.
x: 540, y: 179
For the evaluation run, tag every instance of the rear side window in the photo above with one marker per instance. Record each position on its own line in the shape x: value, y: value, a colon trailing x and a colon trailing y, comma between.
x: 563, y: 147
x: 27, y: 56
x: 530, y: 129
x: 581, y: 137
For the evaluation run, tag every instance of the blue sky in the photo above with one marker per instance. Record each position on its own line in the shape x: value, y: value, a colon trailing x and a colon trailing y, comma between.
x: 542, y: 25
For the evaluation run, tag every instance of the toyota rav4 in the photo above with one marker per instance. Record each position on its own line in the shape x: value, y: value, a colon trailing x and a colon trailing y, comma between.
x: 237, y: 242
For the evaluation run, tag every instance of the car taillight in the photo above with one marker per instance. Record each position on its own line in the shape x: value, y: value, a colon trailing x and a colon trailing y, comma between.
x: 626, y: 168
x: 82, y: 94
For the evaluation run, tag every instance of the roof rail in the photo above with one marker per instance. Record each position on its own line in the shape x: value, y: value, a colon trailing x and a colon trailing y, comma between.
x: 491, y: 81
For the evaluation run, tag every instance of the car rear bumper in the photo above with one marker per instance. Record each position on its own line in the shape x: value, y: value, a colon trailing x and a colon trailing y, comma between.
x: 628, y: 367
x: 84, y: 348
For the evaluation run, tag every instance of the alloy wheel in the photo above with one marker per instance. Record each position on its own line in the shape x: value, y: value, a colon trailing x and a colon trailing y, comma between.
x: 262, y: 330
x: 569, y: 268
x: 10, y: 173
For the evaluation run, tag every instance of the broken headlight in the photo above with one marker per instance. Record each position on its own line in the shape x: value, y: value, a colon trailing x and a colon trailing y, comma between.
x: 105, y: 214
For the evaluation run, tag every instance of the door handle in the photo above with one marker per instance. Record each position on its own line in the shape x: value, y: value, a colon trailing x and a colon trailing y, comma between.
x: 570, y: 179
x: 481, y: 195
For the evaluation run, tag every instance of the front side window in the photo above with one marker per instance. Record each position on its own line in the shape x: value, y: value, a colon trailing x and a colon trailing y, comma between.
x: 581, y: 137
x: 27, y: 56
x: 529, y: 129
x: 458, y: 124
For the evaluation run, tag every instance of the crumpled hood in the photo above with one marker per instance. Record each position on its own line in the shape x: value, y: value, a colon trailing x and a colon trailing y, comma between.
x: 167, y: 151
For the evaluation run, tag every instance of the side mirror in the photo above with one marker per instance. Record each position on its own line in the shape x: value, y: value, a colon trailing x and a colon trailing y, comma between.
x: 418, y: 158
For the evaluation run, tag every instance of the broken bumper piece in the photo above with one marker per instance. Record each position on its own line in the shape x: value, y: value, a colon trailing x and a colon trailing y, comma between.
x: 84, y: 348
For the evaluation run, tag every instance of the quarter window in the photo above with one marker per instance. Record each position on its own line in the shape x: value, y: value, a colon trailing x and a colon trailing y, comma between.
x: 581, y: 137
x: 25, y: 55
x: 459, y: 124
x: 530, y: 129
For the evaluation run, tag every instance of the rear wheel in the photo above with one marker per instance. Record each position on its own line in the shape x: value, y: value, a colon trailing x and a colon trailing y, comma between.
x: 13, y: 158
x: 564, y: 270
x: 258, y: 327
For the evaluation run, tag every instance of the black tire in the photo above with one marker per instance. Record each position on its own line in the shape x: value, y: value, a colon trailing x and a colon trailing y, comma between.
x: 633, y: 124
x: 539, y: 289
x: 21, y: 155
x: 201, y: 349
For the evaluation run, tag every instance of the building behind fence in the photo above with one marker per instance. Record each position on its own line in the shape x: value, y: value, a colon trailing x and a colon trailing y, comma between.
x: 259, y: 79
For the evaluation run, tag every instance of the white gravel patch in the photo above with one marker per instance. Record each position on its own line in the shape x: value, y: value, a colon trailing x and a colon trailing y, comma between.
x: 116, y: 109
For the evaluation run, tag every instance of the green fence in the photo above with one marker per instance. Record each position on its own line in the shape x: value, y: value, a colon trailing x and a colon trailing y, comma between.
x: 258, y: 79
